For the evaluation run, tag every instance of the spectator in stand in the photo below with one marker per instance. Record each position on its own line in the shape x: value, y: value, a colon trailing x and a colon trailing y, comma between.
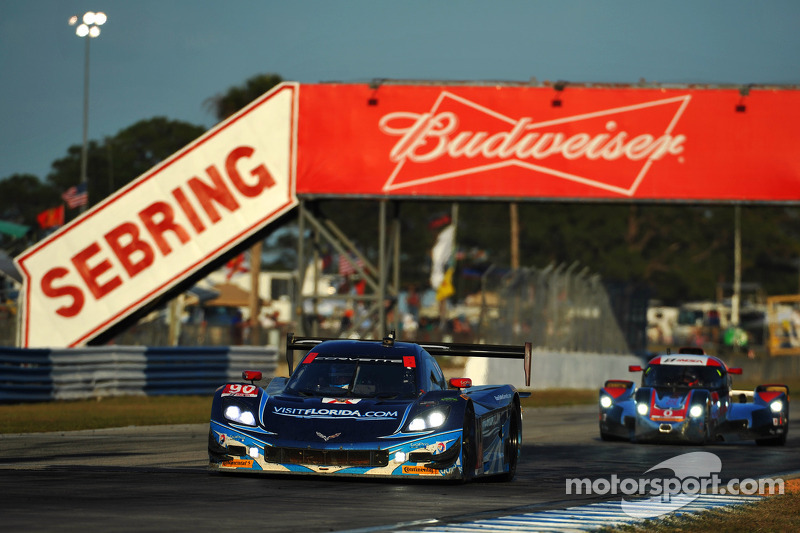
x: 713, y: 326
x: 413, y: 302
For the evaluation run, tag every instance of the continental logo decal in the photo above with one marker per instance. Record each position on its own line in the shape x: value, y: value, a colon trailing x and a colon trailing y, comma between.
x: 407, y: 469
x: 238, y: 463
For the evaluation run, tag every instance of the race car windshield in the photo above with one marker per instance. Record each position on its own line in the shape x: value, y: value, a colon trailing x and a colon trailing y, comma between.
x: 355, y: 378
x: 707, y: 377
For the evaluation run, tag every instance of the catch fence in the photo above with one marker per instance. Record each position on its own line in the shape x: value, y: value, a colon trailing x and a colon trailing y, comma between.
x: 559, y: 309
x: 556, y: 308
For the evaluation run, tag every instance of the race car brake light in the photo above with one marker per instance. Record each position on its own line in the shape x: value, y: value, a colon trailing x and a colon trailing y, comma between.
x: 634, y: 368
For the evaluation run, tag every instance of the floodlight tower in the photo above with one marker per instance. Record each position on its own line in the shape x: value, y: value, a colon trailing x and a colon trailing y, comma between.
x: 89, y: 28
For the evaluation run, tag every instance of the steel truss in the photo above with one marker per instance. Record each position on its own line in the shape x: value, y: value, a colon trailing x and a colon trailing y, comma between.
x: 382, y: 280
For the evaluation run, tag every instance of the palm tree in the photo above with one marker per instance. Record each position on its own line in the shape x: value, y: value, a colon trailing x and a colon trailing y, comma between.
x: 237, y: 97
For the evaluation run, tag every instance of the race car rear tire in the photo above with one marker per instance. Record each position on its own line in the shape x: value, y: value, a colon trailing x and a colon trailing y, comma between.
x: 512, y: 444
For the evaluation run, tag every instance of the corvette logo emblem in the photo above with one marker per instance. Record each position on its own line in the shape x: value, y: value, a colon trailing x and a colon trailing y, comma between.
x: 607, y: 149
x: 329, y: 437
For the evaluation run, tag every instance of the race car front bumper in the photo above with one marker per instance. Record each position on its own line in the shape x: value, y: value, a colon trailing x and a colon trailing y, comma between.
x: 691, y: 430
x: 436, y: 455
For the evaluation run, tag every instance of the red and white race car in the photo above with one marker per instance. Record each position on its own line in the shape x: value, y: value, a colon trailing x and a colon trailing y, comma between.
x: 688, y: 397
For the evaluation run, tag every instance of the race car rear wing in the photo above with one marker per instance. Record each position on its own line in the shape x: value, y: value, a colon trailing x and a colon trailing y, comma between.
x: 502, y: 351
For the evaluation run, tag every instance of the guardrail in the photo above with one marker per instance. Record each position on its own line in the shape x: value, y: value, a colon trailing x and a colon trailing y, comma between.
x: 32, y: 375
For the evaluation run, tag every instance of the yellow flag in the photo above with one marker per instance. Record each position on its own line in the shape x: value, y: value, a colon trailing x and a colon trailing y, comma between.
x: 446, y: 289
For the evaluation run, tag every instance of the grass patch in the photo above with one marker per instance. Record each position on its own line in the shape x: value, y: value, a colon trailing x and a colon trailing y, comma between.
x: 776, y: 513
x: 792, y: 382
x: 158, y: 410
x: 104, y: 413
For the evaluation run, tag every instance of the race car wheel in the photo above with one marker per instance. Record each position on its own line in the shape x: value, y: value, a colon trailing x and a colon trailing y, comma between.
x: 512, y: 444
x: 608, y: 437
x: 706, y: 427
x: 774, y: 441
x: 468, y: 458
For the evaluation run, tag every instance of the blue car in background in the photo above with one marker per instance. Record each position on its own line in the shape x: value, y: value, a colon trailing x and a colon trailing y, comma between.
x: 688, y: 397
x: 370, y: 408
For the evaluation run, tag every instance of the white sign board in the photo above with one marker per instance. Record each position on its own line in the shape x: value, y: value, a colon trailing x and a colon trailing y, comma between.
x: 162, y: 227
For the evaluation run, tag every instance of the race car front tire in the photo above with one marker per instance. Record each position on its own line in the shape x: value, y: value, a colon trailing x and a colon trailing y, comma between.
x: 775, y: 441
x: 468, y: 457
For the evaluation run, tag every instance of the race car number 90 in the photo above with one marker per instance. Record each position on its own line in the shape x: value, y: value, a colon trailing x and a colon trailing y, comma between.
x: 237, y: 389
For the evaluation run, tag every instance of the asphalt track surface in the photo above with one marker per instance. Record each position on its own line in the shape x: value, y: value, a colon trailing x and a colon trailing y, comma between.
x: 155, y: 479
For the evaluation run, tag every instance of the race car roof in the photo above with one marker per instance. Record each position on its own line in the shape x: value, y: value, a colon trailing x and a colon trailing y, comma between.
x: 687, y: 359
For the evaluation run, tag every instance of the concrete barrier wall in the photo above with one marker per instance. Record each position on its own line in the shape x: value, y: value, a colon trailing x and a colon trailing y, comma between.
x: 553, y: 370
x: 28, y: 375
x: 576, y: 370
x: 776, y: 369
x: 92, y: 372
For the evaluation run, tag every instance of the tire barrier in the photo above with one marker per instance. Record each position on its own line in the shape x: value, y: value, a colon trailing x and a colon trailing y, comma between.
x: 34, y: 375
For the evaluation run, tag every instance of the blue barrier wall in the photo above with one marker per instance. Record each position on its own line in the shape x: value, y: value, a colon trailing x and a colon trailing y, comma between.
x: 32, y: 375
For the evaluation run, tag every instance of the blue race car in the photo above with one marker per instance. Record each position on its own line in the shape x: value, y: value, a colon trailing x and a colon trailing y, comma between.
x: 687, y: 397
x: 372, y: 409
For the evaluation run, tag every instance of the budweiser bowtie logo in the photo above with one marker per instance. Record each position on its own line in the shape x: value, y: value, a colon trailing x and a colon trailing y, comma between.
x: 608, y: 149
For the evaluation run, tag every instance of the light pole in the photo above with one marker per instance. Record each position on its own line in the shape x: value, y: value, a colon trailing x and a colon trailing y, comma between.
x: 88, y: 28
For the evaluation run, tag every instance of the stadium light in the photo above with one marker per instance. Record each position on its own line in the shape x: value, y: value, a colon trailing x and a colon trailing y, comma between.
x: 89, y: 27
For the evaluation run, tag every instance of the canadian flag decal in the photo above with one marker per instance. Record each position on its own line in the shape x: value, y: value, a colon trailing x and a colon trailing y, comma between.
x: 608, y: 149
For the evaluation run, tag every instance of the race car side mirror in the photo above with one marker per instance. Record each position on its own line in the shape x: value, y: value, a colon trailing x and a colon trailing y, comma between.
x: 735, y: 370
x: 634, y: 368
x: 460, y: 383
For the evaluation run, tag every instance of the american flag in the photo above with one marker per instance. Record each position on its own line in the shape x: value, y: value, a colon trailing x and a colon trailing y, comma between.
x: 347, y: 265
x: 76, y: 196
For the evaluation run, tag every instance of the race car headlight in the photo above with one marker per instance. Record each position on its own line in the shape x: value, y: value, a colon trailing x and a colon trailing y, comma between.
x: 696, y: 411
x: 776, y: 406
x: 642, y: 408
x: 236, y: 414
x: 430, y: 419
x: 605, y: 402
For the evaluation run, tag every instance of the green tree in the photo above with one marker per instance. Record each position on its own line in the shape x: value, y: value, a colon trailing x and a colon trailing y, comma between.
x: 22, y: 198
x: 117, y: 160
x: 237, y: 97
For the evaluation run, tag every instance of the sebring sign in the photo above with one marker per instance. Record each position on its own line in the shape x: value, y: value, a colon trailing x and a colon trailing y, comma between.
x: 168, y: 223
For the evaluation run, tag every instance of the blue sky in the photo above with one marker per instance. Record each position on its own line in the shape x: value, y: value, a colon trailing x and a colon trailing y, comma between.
x: 166, y: 57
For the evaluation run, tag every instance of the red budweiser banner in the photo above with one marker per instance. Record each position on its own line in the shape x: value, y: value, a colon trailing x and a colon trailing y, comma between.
x: 594, y: 143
